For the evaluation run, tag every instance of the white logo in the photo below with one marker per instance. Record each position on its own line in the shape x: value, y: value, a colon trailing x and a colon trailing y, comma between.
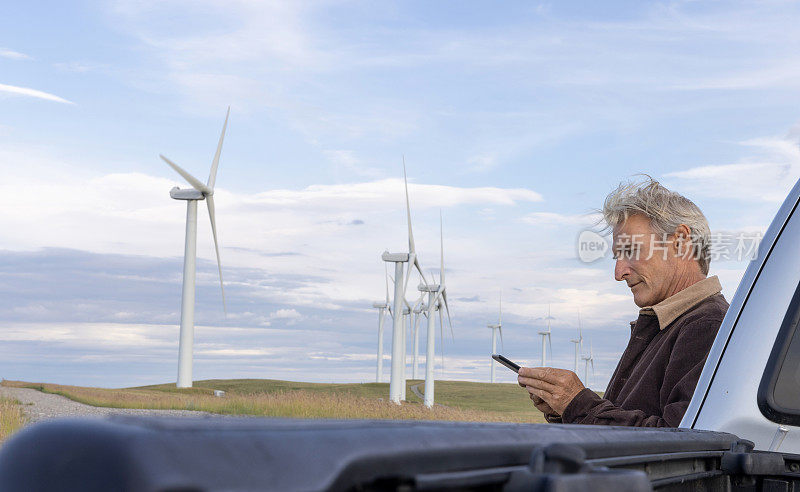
x: 591, y: 246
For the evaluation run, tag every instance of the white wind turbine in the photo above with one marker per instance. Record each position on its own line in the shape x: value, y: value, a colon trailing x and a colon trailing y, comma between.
x: 546, y: 338
x: 383, y: 308
x: 397, y: 380
x: 496, y: 328
x: 419, y: 309
x: 578, y: 342
x: 205, y: 192
x: 588, y: 360
x: 437, y: 298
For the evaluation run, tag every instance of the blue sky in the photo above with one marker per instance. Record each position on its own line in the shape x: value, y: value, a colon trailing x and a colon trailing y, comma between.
x: 515, y: 122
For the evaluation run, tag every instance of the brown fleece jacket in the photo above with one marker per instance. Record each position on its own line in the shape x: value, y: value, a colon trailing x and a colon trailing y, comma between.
x: 658, y: 371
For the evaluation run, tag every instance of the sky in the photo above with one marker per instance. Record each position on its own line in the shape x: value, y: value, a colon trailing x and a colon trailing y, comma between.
x: 514, y: 120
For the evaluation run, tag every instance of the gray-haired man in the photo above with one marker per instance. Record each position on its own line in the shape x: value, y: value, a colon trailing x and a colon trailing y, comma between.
x: 661, y: 247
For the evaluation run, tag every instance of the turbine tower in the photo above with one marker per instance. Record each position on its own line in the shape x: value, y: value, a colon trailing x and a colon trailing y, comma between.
x: 578, y: 342
x: 546, y: 338
x: 588, y: 360
x: 199, y: 192
x: 419, y: 309
x: 383, y: 308
x: 496, y: 328
x: 397, y: 382
x: 407, y: 311
x: 437, y: 298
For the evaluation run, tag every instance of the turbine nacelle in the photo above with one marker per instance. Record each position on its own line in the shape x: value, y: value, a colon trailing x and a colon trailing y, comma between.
x: 429, y: 288
x: 380, y: 305
x: 395, y: 257
x: 186, y: 194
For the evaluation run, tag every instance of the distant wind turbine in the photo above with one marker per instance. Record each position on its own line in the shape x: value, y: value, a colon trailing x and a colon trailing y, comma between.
x: 419, y: 309
x: 546, y: 338
x: 383, y: 308
x: 205, y: 192
x: 437, y: 299
x: 495, y: 329
x: 588, y: 360
x: 578, y: 342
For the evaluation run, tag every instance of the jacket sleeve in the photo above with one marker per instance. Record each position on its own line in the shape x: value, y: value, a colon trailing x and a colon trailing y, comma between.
x: 680, y: 379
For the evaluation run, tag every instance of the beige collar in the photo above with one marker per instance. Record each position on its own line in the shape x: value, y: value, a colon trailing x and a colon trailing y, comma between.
x: 677, y: 304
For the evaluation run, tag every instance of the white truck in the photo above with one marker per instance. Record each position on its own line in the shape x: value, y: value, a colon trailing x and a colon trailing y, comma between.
x: 740, y: 432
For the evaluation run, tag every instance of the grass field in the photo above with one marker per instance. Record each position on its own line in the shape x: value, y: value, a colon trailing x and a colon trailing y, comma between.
x: 459, y: 400
x: 11, y: 417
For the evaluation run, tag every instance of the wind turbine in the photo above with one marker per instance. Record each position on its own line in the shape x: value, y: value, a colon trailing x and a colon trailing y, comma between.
x: 397, y: 381
x: 382, y: 307
x: 419, y: 309
x: 546, y: 336
x: 437, y: 298
x: 205, y: 192
x: 497, y: 328
x: 578, y: 342
x: 588, y: 360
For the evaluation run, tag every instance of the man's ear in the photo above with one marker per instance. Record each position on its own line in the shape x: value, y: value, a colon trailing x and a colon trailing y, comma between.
x: 683, y: 241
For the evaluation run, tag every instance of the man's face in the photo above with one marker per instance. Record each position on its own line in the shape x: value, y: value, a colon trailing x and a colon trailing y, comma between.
x: 644, y: 261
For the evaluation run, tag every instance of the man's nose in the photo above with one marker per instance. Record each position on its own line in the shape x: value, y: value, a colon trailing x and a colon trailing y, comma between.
x: 621, y: 269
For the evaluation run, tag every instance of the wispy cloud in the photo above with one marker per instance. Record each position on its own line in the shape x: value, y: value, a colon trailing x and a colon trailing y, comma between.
x: 27, y: 91
x: 13, y: 55
x: 766, y: 174
x: 552, y: 219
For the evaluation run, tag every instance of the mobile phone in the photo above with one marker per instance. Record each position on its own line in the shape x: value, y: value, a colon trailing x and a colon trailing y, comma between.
x: 499, y: 358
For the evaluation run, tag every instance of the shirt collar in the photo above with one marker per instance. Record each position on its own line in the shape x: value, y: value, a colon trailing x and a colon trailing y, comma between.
x: 670, y: 308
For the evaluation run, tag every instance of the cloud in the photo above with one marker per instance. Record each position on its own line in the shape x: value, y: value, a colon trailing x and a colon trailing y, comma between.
x: 13, y: 55
x: 348, y: 160
x: 552, y: 219
x: 386, y: 191
x: 25, y: 91
x: 766, y: 175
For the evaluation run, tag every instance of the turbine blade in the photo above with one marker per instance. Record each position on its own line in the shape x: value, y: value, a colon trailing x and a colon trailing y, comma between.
x: 196, y: 183
x: 441, y: 336
x: 386, y: 278
x: 408, y: 273
x: 413, y: 261
x: 411, y: 248
x: 501, y: 307
x: 550, y: 344
x: 212, y: 176
x: 419, y: 269
x: 502, y: 345
x: 211, y: 215
x: 441, y: 244
x: 447, y: 308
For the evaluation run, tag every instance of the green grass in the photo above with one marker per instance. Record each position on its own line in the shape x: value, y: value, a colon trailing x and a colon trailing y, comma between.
x: 503, y: 398
x: 456, y: 400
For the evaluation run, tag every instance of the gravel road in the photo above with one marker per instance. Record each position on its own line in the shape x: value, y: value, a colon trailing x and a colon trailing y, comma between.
x: 40, y: 406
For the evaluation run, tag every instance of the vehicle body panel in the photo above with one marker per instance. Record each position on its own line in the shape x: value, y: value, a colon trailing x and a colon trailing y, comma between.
x: 726, y: 395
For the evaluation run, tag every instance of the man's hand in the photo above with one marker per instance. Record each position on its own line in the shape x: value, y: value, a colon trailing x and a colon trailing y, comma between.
x: 542, y: 405
x: 554, y: 387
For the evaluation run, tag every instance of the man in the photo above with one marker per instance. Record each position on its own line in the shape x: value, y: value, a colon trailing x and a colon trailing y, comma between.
x: 661, y: 247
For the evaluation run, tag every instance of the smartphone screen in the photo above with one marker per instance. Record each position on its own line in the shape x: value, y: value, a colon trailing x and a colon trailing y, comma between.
x: 499, y: 358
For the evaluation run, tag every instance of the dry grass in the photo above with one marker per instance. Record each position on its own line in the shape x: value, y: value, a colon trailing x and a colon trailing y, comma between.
x: 283, y: 402
x: 11, y: 417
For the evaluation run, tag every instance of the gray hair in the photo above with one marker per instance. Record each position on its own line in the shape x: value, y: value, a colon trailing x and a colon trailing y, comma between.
x: 666, y: 210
